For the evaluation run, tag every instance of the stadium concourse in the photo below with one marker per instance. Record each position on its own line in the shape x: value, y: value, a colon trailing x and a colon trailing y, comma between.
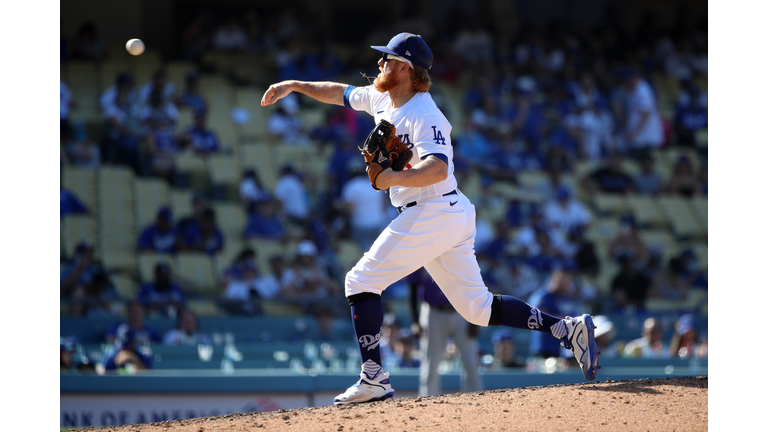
x: 181, y: 194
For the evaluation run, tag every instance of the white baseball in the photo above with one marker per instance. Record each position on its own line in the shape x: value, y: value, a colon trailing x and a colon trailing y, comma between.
x: 134, y: 46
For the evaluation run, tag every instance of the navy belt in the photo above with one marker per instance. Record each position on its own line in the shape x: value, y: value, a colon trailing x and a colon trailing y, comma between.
x: 413, y: 203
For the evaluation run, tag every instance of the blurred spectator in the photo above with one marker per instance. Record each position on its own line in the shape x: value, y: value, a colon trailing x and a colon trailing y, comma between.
x: 285, y: 124
x: 504, y: 347
x: 128, y: 351
x: 159, y: 83
x: 235, y: 270
x: 196, y: 36
x: 264, y: 222
x: 292, y: 194
x: 123, y: 128
x: 629, y: 287
x: 650, y: 344
x: 404, y: 349
x: 124, y: 84
x: 435, y: 321
x: 555, y: 299
x: 70, y: 204
x: 610, y: 177
x: 88, y: 45
x: 566, y: 212
x: 686, y: 342
x: 163, y: 295
x: 327, y: 328
x: 134, y: 323
x: 604, y: 334
x: 365, y: 209
x: 160, y: 117
x: 187, y: 331
x: 278, y: 278
x: 644, y: 129
x: 204, y: 236
x: 586, y: 128
x: 85, y: 283
x: 66, y: 103
x: 647, y: 181
x: 230, y: 36
x: 72, y: 357
x: 200, y: 139
x: 312, y: 280
x: 704, y: 179
x: 160, y: 237
x: 629, y: 242
x: 473, y: 42
x: 82, y: 152
x: 581, y: 252
x: 691, y: 113
x: 193, y: 221
x: 242, y: 294
x: 683, y: 181
x: 251, y: 191
x: 191, y: 97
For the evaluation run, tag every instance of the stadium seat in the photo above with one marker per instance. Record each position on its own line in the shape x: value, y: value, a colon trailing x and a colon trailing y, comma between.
x: 604, y: 229
x: 265, y: 250
x: 147, y: 262
x: 192, y: 171
x: 224, y: 173
x: 186, y: 119
x: 700, y: 207
x: 81, y: 182
x: 77, y: 228
x: 258, y: 156
x: 701, y: 137
x: 646, y: 211
x: 662, y: 239
x: 280, y: 308
x: 609, y: 204
x: 231, y: 219
x: 115, y: 184
x: 205, y: 307
x: 126, y: 286
x: 348, y: 254
x: 181, y: 203
x: 177, y: 71
x: 120, y: 261
x: 196, y: 269
x: 679, y: 213
x: 151, y: 194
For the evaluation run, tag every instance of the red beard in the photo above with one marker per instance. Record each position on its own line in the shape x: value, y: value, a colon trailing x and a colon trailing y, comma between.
x: 385, y: 82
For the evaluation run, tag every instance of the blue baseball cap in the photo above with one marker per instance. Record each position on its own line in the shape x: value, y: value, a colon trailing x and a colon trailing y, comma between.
x: 411, y: 47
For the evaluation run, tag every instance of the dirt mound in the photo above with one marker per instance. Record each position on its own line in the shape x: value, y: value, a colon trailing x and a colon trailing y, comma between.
x: 668, y: 404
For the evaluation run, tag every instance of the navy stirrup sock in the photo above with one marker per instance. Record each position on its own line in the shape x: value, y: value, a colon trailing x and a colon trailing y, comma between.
x: 367, y: 318
x: 519, y: 314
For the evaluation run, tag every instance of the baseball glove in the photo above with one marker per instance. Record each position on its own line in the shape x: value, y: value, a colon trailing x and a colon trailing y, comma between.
x: 383, y: 149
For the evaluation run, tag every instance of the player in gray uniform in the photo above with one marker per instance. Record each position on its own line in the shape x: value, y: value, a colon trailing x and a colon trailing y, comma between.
x: 436, y: 225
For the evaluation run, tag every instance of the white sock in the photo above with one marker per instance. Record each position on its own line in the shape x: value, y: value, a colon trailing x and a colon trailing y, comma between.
x: 559, y: 330
x: 371, y: 368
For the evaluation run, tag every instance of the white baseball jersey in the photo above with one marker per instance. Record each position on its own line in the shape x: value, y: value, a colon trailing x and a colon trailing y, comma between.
x: 438, y: 232
x: 420, y: 125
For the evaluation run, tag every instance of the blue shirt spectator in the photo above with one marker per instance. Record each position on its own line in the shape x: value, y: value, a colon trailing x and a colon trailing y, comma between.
x: 134, y: 323
x: 264, y: 222
x: 69, y: 204
x: 127, y: 350
x: 163, y: 293
x: 204, y: 236
x: 554, y: 300
x: 160, y: 237
x: 201, y: 139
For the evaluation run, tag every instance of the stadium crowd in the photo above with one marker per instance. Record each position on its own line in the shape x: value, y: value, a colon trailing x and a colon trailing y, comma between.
x: 588, y: 112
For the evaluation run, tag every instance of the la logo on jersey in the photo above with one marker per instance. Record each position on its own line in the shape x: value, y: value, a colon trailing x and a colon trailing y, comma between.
x: 368, y: 341
x: 438, y: 138
x: 406, y: 140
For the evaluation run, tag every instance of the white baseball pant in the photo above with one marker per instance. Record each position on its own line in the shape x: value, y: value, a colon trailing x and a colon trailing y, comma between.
x: 438, y: 234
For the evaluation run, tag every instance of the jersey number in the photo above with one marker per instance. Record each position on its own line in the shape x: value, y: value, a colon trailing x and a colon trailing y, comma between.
x: 438, y: 138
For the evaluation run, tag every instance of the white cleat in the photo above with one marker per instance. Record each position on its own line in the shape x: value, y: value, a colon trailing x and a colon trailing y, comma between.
x: 367, y: 390
x: 581, y: 340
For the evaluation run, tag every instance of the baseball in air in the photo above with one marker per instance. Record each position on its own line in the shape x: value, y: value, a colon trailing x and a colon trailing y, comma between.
x: 135, y: 46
